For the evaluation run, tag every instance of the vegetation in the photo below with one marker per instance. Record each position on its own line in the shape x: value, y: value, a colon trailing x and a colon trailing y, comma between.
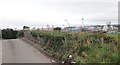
x: 20, y: 33
x: 115, y: 36
x: 9, y: 34
x: 57, y: 29
x: 26, y: 27
x: 84, y: 47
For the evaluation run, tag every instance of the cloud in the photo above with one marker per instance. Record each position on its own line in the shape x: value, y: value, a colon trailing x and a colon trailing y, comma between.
x: 16, y: 13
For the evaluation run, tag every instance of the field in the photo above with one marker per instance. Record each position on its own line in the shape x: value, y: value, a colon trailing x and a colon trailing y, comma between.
x: 82, y: 47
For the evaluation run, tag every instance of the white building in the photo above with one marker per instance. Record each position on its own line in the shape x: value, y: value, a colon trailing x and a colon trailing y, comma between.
x: 105, y: 28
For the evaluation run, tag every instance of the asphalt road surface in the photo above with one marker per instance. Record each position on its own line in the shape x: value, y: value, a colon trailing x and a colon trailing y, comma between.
x: 18, y: 51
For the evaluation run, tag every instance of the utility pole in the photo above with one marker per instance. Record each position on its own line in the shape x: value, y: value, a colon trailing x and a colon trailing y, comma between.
x: 82, y: 22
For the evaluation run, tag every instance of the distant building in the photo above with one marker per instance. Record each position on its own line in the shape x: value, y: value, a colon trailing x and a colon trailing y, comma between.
x: 105, y: 28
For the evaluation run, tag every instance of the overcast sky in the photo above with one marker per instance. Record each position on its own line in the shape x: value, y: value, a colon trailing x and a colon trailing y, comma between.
x: 38, y: 13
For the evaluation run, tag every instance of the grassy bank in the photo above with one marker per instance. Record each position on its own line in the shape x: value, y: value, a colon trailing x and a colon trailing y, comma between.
x: 83, y: 47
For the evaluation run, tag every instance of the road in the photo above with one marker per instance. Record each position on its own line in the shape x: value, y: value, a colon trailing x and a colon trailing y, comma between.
x: 18, y: 51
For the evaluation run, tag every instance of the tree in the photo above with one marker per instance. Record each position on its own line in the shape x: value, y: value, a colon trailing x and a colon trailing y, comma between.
x: 9, y: 33
x: 26, y: 28
x: 57, y: 29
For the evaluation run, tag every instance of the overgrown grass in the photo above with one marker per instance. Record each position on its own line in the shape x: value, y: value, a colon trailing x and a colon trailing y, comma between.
x: 115, y: 36
x: 84, y: 47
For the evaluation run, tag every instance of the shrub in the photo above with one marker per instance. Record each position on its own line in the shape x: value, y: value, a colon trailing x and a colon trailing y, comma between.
x: 9, y: 34
x: 84, y: 47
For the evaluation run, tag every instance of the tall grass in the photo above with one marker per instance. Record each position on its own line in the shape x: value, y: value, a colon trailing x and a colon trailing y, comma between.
x: 84, y: 47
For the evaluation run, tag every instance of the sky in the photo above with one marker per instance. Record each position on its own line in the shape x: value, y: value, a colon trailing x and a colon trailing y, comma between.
x: 39, y: 13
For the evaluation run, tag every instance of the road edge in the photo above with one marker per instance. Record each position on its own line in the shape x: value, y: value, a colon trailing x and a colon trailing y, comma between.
x: 38, y: 47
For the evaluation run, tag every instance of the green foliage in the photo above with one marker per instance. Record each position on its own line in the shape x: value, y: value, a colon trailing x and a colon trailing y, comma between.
x: 100, y: 53
x: 57, y: 29
x: 9, y: 34
x: 84, y: 47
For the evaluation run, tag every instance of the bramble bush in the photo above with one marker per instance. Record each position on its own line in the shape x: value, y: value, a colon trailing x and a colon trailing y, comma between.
x: 85, y: 47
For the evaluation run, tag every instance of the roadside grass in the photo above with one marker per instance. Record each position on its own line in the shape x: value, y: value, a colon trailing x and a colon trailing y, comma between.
x: 84, y: 47
x: 115, y: 36
x: 99, y: 53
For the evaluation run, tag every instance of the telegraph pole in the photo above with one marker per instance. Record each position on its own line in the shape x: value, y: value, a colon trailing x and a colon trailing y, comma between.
x: 82, y: 22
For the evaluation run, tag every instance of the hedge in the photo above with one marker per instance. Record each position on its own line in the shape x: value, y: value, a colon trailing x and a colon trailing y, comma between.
x: 84, y: 47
